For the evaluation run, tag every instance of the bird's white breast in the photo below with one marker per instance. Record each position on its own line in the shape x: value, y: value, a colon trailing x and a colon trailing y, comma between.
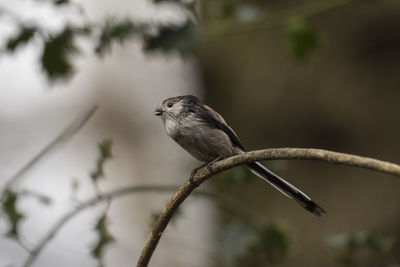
x: 171, y: 126
x: 184, y: 126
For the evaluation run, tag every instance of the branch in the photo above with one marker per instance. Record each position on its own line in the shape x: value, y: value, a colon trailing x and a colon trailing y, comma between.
x: 62, y: 138
x: 268, y: 154
x: 240, y: 210
x: 232, y: 27
x: 83, y: 206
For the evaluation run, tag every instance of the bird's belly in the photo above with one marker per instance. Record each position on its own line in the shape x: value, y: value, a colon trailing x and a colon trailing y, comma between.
x: 205, y: 143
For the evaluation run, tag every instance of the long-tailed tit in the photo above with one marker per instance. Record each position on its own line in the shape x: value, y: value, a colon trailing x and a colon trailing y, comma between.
x: 203, y: 133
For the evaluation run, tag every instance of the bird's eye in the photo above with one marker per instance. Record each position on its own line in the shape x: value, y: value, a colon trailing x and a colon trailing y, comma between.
x: 170, y: 104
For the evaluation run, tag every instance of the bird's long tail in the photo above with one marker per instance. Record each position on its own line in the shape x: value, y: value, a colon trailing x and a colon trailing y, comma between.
x: 286, y: 188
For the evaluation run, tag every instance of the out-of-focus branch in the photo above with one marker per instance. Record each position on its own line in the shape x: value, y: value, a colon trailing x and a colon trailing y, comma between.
x: 240, y: 210
x: 308, y: 9
x: 101, y: 197
x: 9, y: 189
x: 62, y: 138
x: 268, y: 154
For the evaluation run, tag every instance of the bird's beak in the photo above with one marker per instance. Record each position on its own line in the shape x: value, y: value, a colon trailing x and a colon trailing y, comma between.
x: 158, y: 112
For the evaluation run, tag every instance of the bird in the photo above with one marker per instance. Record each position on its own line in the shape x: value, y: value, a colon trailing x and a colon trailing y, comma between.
x: 204, y: 133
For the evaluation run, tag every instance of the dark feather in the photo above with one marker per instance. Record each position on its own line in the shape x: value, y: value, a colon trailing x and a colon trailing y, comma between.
x: 286, y: 188
x: 216, y: 120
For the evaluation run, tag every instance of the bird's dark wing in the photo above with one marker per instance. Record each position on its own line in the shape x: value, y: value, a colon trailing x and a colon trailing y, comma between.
x: 216, y: 120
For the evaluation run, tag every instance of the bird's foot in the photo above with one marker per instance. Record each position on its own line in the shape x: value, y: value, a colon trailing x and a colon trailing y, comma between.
x: 209, y: 165
x: 193, y: 173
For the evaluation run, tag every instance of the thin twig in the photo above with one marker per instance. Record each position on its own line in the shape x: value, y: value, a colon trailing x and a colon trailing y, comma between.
x: 268, y: 154
x: 64, y: 136
x: 241, y: 212
x: 232, y: 27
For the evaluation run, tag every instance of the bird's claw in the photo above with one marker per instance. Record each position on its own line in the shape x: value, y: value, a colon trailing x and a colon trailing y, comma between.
x: 209, y: 169
x: 191, y: 180
x: 209, y: 165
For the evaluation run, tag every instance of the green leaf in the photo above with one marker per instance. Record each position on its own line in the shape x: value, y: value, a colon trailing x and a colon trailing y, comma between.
x: 274, y: 242
x: 116, y: 31
x: 236, y: 239
x: 181, y: 38
x: 247, y: 245
x: 105, y: 153
x: 363, y: 241
x: 303, y: 40
x: 22, y: 38
x: 237, y: 176
x: 228, y: 9
x: 9, y: 207
x: 105, y: 238
x: 105, y: 149
x: 57, y: 53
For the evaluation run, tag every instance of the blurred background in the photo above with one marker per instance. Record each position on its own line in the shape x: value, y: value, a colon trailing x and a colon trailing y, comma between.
x: 292, y: 73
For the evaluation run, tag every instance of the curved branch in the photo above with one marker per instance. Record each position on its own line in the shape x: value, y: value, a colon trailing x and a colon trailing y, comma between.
x: 267, y: 154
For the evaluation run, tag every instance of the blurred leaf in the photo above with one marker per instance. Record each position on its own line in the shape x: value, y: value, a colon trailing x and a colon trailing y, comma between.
x: 105, y: 149
x: 245, y: 245
x: 351, y: 244
x: 104, y: 154
x: 22, y: 38
x: 236, y: 239
x: 181, y: 38
x: 361, y: 239
x: 272, y: 245
x: 105, y: 238
x: 248, y: 13
x: 228, y: 9
x: 237, y: 176
x: 9, y: 207
x: 116, y: 31
x: 244, y: 12
x: 303, y: 40
x: 56, y: 54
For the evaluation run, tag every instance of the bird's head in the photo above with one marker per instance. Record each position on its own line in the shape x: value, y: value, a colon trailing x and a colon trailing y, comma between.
x: 177, y: 106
